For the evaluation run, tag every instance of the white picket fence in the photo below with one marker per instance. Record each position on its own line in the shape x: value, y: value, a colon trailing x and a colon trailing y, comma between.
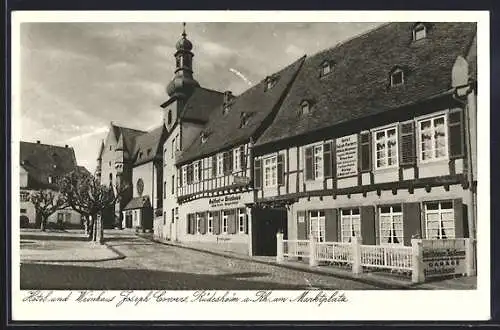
x: 412, y: 259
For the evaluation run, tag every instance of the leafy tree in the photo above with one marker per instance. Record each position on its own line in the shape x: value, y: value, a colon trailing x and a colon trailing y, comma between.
x: 46, y: 202
x: 86, y: 195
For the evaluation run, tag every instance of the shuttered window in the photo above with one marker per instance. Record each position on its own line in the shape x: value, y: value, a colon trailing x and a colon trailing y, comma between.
x: 210, y: 223
x: 257, y: 177
x: 456, y: 131
x: 317, y: 225
x: 439, y: 220
x: 270, y: 172
x: 236, y: 159
x: 365, y: 163
x: 314, y: 165
x: 241, y: 220
x: 391, y: 224
x: 281, y: 170
x: 225, y: 222
x: 327, y: 160
x: 433, y: 139
x: 386, y: 147
x: 407, y: 144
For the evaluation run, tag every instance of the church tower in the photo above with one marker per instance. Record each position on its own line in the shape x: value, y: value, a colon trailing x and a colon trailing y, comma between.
x: 183, y: 83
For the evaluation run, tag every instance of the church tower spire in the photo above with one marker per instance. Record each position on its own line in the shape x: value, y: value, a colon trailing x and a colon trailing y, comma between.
x: 183, y: 83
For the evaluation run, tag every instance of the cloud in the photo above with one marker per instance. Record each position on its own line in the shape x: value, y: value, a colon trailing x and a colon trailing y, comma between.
x: 99, y: 130
x: 239, y: 74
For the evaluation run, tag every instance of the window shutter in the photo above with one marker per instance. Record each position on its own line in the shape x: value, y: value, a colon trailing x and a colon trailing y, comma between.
x: 281, y: 170
x: 257, y: 178
x: 231, y: 222
x: 214, y: 166
x: 216, y: 222
x: 225, y: 162
x: 365, y: 155
x: 459, y: 218
x: 189, y: 223
x: 411, y: 222
x: 309, y: 163
x: 180, y: 177
x: 327, y: 160
x: 368, y: 225
x: 407, y: 145
x: 334, y: 161
x: 243, y: 158
x: 301, y: 225
x: 190, y: 174
x: 200, y: 170
x: 203, y: 224
x: 331, y: 226
x: 230, y: 161
x: 456, y: 134
x: 246, y: 223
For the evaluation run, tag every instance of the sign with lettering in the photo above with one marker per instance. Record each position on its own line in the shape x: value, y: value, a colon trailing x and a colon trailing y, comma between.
x: 224, y: 200
x: 443, y: 257
x: 243, y: 180
x: 347, y: 155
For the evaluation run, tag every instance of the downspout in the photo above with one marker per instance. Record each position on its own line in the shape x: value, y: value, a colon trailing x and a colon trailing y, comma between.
x: 470, y: 171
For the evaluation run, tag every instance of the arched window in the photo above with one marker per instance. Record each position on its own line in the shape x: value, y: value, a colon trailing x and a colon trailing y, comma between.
x: 305, y: 107
x: 110, y: 178
x: 169, y: 116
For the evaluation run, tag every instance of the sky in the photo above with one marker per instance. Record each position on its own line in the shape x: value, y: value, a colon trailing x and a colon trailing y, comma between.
x: 77, y: 78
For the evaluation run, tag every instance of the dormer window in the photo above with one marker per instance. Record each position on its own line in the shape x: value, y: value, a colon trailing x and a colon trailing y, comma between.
x: 270, y: 82
x: 419, y: 32
x: 397, y: 77
x: 305, y: 108
x: 326, y: 68
x: 203, y: 137
x: 140, y: 154
x: 226, y: 109
x: 50, y: 179
x: 245, y: 118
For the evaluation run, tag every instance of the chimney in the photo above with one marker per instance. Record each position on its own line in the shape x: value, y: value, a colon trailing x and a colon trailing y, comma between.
x: 66, y: 146
x: 228, y: 96
x: 38, y: 141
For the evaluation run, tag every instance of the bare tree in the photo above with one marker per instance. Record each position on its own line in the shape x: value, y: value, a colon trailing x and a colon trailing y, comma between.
x: 46, y: 202
x: 87, y: 196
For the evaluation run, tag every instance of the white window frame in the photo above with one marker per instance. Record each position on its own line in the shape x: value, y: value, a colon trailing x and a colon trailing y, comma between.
x: 418, y: 29
x: 198, y: 223
x: 210, y: 223
x: 393, y: 224
x: 318, y: 230
x: 270, y: 166
x: 236, y: 159
x: 433, y: 140
x: 225, y: 222
x: 184, y: 175
x: 220, y: 164
x: 241, y: 220
x: 196, y: 169
x: 318, y: 170
x: 385, y: 140
x: 351, y: 218
x: 305, y: 108
x: 393, y: 73
x: 440, y: 212
x: 326, y: 69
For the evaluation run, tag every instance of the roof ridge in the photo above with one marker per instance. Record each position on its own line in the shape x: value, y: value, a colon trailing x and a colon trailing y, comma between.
x: 49, y: 145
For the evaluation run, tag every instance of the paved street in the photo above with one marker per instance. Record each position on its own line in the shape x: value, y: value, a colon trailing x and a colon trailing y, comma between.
x: 151, y: 265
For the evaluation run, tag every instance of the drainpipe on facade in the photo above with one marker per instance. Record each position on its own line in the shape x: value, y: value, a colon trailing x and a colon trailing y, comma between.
x: 468, y: 108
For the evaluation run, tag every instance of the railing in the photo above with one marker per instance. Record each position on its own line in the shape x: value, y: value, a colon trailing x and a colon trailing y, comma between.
x: 296, y: 248
x: 334, y: 252
x: 423, y: 259
x: 386, y: 256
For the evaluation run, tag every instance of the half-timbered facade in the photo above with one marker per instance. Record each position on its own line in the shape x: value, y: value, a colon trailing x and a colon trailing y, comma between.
x: 214, y: 191
x: 376, y: 139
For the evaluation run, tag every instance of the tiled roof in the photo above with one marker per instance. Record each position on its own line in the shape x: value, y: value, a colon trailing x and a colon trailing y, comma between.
x: 149, y: 145
x: 257, y: 104
x: 138, y: 203
x: 129, y: 136
x: 44, y: 160
x: 358, y: 85
x: 200, y: 104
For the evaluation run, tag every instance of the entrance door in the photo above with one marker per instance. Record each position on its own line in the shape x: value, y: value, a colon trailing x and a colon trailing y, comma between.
x: 266, y: 223
x: 128, y: 220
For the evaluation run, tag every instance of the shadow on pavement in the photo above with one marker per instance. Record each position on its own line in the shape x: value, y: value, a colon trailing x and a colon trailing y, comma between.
x: 80, y: 238
x: 65, y: 277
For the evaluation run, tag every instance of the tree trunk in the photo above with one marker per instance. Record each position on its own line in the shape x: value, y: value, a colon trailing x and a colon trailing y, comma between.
x: 100, y: 236
x: 43, y: 223
x: 91, y: 227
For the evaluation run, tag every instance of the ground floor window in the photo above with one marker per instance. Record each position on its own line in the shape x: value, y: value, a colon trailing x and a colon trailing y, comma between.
x: 198, y: 223
x: 391, y: 224
x: 210, y: 222
x: 241, y: 220
x: 225, y: 219
x: 350, y: 224
x: 439, y: 220
x: 317, y: 225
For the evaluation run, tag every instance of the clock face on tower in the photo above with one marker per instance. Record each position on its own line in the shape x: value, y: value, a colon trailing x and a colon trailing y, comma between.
x: 140, y: 187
